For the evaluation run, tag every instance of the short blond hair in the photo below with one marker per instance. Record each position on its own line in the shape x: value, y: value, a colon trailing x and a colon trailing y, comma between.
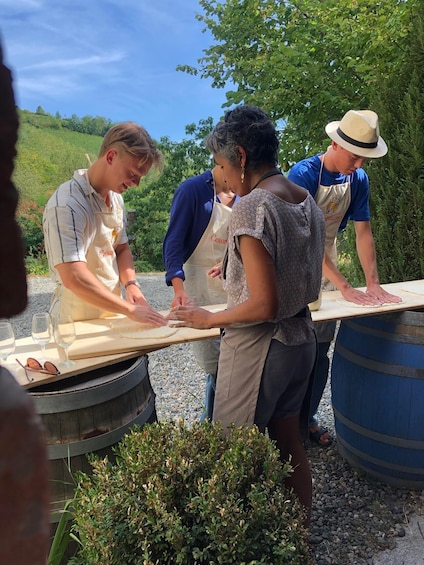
x: 133, y: 139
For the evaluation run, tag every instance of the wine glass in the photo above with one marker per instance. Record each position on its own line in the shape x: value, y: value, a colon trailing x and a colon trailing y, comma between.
x: 7, y: 340
x: 64, y: 335
x: 41, y: 330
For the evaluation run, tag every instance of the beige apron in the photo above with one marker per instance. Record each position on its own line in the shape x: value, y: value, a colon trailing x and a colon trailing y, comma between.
x: 203, y: 288
x: 242, y: 357
x: 334, y: 201
x: 101, y: 261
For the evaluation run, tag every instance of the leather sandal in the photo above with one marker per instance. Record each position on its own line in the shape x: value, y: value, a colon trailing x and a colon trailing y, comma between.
x: 317, y: 437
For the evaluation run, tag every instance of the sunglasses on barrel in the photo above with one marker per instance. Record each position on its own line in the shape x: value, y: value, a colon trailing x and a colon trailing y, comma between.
x: 34, y: 366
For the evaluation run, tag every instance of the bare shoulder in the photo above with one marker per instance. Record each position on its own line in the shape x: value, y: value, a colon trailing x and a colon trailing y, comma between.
x: 291, y: 192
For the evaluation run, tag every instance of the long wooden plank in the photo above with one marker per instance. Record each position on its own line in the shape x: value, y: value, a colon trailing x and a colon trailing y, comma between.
x: 97, y: 337
x: 25, y: 348
x: 335, y: 308
x: 98, y: 345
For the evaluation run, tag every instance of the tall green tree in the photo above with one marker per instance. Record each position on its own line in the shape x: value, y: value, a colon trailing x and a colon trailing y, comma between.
x: 306, y: 62
x: 397, y: 180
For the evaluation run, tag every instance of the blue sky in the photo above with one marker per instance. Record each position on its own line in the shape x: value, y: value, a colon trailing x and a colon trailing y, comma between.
x: 110, y: 58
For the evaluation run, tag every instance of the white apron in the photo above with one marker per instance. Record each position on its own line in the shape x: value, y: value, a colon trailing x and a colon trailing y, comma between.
x: 101, y: 261
x: 333, y: 201
x: 204, y: 289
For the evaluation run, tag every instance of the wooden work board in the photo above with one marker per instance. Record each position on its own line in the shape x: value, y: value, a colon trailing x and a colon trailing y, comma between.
x: 98, y: 344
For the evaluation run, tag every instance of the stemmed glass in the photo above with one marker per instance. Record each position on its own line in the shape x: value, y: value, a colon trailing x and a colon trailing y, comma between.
x: 64, y: 335
x: 7, y: 340
x: 41, y: 332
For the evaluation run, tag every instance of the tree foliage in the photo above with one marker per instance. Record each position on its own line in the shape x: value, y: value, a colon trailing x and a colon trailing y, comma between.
x: 88, y: 124
x: 397, y: 181
x: 305, y: 62
x: 48, y: 155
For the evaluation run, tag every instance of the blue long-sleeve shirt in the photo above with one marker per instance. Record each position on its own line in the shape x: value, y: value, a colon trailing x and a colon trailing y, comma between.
x: 191, y: 210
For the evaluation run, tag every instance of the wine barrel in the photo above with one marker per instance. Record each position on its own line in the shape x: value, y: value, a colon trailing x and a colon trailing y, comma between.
x: 377, y: 383
x: 90, y: 413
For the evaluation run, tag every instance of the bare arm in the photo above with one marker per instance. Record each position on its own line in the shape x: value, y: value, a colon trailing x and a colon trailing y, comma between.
x: 331, y: 272
x: 367, y: 256
x: 77, y: 278
x: 261, y: 305
x: 127, y: 273
x: 375, y: 294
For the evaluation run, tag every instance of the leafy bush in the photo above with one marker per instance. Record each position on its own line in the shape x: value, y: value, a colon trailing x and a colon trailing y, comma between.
x: 179, y: 495
x: 30, y: 219
x: 36, y: 265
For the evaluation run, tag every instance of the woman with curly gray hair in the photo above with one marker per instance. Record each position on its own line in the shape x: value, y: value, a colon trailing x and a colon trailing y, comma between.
x: 271, y: 271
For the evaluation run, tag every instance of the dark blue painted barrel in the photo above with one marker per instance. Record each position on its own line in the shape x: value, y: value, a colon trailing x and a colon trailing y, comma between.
x: 377, y: 386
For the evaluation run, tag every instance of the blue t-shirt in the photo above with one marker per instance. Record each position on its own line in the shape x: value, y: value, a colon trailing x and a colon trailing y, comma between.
x: 306, y: 173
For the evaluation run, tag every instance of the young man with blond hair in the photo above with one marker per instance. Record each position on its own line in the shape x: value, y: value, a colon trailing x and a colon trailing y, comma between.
x: 84, y: 230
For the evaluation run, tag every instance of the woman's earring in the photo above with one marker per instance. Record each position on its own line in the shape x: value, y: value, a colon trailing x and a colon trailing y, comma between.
x: 242, y: 175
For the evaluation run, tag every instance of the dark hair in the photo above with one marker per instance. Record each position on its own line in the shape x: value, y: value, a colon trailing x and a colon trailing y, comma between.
x: 248, y: 127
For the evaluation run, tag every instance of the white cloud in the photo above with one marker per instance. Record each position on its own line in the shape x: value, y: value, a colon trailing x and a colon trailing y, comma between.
x: 71, y: 64
x: 50, y: 86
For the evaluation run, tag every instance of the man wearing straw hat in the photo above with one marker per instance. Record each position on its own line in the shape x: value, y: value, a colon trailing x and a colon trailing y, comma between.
x: 341, y: 189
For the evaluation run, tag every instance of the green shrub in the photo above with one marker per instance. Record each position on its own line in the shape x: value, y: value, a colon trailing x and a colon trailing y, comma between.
x: 30, y: 219
x: 36, y: 265
x: 179, y: 495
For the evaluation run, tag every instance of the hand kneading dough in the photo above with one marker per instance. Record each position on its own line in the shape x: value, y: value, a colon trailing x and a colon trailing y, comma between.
x: 136, y: 330
x: 354, y: 305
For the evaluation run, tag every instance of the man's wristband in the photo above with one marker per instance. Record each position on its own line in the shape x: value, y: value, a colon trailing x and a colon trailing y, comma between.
x: 129, y: 283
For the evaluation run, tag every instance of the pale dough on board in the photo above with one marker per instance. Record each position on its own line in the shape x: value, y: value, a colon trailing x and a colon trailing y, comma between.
x: 136, y: 330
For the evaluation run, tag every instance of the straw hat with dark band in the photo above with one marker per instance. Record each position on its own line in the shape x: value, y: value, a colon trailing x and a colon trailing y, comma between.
x: 358, y: 132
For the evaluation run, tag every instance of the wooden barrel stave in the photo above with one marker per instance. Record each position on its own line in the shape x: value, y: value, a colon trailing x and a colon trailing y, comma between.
x: 91, y: 413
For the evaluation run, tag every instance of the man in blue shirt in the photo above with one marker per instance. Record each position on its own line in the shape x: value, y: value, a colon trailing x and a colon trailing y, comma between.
x: 341, y: 189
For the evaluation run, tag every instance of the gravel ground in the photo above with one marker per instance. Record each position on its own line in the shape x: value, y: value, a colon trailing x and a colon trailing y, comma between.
x: 353, y: 518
